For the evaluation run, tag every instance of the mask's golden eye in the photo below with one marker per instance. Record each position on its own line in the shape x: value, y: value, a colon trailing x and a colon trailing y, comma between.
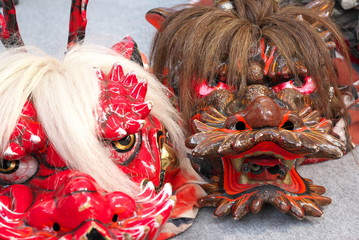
x: 8, y: 167
x: 124, y: 144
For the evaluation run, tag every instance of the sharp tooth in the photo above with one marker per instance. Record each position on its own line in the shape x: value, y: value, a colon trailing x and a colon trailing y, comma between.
x: 278, y: 156
x: 237, y: 163
x: 288, y: 163
x: 255, y: 154
x: 256, y: 182
x: 259, y: 153
x: 243, y: 179
x: 287, y: 180
x: 252, y: 182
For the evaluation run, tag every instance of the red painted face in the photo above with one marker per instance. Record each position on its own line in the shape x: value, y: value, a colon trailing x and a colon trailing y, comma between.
x: 138, y: 154
x: 41, y: 198
x: 132, y: 135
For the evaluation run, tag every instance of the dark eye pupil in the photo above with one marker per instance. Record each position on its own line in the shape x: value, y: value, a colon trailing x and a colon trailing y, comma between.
x: 125, y: 141
x: 217, y: 80
x: 125, y: 144
x: 8, y: 167
x: 298, y: 82
x: 5, y: 164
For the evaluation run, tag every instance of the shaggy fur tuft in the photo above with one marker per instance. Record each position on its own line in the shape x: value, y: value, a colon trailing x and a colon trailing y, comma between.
x: 194, y: 41
x: 65, y: 94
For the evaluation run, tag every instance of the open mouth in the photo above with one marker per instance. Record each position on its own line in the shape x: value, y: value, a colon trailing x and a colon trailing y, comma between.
x: 263, y: 168
x: 265, y: 164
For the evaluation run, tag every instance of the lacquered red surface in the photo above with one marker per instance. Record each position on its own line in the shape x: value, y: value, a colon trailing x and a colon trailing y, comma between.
x: 78, y: 22
x: 44, y: 199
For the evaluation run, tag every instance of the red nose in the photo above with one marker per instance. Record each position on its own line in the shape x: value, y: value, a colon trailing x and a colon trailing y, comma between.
x: 78, y: 200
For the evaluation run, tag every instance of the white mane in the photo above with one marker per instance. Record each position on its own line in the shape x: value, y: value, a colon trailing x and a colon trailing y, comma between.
x: 65, y: 94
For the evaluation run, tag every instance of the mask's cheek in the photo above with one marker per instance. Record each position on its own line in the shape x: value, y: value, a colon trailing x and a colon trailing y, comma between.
x: 17, y: 198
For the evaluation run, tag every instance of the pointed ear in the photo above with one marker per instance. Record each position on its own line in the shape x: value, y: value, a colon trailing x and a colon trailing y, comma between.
x: 157, y: 16
x: 324, y: 8
x: 128, y: 48
x: 204, y: 2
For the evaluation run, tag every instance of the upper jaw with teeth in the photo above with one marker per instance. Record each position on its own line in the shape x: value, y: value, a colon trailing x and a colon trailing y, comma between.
x: 263, y: 168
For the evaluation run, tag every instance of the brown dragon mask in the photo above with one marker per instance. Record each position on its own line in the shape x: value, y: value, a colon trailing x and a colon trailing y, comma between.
x: 258, y: 89
x: 252, y: 145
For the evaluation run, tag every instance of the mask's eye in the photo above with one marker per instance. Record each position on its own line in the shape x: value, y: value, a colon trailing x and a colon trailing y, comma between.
x: 220, y: 78
x: 125, y: 144
x: 306, y: 85
x: 126, y: 149
x: 18, y: 171
x: 218, y: 81
x: 7, y: 166
x: 205, y: 88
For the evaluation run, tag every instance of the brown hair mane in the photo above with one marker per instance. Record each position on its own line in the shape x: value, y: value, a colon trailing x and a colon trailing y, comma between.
x: 193, y: 41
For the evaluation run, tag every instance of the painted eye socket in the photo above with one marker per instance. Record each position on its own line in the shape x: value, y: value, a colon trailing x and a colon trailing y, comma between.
x: 126, y: 149
x: 218, y: 81
x: 204, y: 88
x: 125, y: 144
x: 18, y: 171
x: 308, y: 86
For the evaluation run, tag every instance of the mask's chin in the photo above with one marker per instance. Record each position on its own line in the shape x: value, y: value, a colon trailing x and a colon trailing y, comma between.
x: 263, y: 165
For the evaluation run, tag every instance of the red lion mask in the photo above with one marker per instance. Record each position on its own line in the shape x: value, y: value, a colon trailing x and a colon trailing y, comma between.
x: 90, y: 145
x: 46, y: 199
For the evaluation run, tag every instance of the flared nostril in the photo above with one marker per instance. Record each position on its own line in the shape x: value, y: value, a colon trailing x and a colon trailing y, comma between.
x: 94, y: 234
x: 56, y: 227
x: 236, y: 122
x: 288, y: 125
x: 240, y: 126
x: 115, y: 218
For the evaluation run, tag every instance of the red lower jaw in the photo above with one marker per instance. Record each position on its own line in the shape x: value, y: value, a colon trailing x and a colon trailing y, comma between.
x: 232, y: 177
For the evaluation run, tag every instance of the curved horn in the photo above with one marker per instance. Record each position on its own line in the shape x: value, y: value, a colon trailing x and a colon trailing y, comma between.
x: 129, y: 49
x: 78, y: 22
x: 10, y: 35
x: 157, y: 16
